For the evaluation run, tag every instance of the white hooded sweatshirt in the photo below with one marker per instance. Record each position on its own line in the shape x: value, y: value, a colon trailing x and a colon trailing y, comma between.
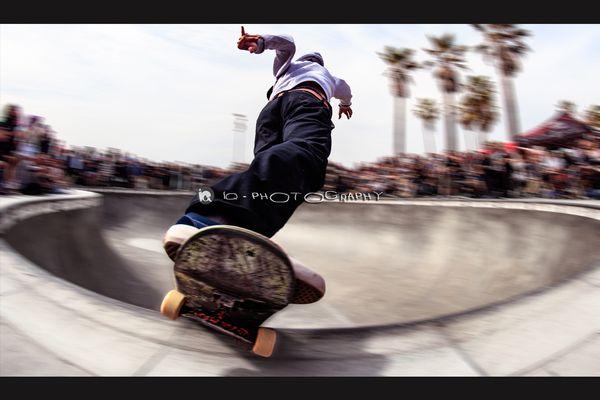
x: 309, y: 67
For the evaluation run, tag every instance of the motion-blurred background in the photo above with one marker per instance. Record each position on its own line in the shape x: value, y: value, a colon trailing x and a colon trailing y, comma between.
x: 473, y: 110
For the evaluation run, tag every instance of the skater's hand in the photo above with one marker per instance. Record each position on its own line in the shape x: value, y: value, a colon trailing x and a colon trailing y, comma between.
x: 248, y: 42
x: 346, y: 110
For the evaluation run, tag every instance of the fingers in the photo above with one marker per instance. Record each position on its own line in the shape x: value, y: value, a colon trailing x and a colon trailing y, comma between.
x: 249, y: 42
x: 244, y: 44
x: 347, y: 111
x: 240, y: 43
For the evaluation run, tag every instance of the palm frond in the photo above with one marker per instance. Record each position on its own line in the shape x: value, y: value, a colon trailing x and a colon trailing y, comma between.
x: 503, y: 43
x: 400, y: 63
x: 477, y: 109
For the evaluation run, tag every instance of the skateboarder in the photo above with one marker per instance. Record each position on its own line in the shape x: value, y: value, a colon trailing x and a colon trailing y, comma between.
x: 292, y: 143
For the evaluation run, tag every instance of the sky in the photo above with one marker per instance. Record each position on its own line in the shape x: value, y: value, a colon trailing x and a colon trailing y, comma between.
x: 168, y: 92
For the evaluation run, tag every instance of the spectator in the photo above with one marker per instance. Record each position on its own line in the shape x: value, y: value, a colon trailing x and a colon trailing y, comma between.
x: 34, y: 161
x: 8, y: 145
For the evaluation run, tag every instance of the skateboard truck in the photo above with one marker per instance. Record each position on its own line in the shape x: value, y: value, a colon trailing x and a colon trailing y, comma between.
x: 225, y: 301
x: 231, y: 301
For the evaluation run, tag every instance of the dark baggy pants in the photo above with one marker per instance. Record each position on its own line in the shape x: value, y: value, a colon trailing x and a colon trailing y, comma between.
x: 292, y: 143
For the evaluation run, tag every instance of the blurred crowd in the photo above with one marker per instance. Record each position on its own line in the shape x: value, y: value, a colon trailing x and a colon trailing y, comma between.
x: 571, y: 172
x: 34, y: 161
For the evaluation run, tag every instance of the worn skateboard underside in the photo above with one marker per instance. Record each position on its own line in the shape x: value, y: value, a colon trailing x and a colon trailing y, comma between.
x: 233, y: 279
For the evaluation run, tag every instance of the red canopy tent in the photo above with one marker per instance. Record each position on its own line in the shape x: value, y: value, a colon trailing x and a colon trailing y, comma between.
x: 560, y: 130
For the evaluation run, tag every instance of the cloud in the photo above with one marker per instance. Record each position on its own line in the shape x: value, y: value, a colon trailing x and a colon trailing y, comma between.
x: 167, y: 92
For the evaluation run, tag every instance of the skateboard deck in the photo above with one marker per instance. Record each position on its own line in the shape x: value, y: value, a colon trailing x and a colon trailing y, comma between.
x: 231, y: 280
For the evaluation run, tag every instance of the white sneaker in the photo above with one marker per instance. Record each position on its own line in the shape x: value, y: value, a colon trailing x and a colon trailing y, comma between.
x: 175, y: 236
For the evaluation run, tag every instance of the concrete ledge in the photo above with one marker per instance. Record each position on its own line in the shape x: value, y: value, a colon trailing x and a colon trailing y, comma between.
x: 18, y: 208
x: 75, y: 331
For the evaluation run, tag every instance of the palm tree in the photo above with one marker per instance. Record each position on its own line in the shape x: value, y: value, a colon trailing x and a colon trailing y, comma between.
x: 427, y: 111
x: 503, y: 44
x: 478, y: 108
x: 592, y: 116
x: 566, y: 106
x: 447, y: 58
x: 400, y: 63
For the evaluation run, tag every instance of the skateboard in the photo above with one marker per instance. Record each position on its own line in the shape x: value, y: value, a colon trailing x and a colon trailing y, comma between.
x: 231, y: 279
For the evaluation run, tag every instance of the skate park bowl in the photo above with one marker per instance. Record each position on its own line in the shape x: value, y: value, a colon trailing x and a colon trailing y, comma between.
x: 385, y: 263
x: 390, y: 264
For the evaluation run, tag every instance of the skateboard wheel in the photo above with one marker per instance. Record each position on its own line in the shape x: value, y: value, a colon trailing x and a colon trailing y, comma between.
x: 171, y: 304
x: 265, y: 342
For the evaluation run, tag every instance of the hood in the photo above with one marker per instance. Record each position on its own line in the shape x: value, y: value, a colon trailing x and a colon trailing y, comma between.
x: 314, y: 57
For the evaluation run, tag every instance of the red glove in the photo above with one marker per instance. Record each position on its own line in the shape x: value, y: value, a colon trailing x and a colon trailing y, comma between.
x: 248, y: 42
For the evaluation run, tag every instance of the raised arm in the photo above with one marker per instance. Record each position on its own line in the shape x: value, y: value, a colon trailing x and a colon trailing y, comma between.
x: 282, y: 44
x: 284, y: 47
